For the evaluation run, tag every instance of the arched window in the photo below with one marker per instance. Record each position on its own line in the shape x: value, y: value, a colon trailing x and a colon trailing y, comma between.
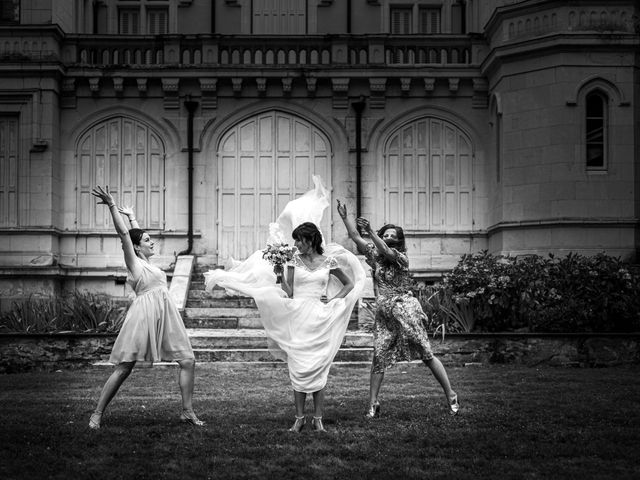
x: 128, y: 156
x: 428, y: 177
x: 596, y: 120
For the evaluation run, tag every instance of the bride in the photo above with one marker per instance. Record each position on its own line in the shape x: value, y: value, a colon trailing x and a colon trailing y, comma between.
x: 306, y: 316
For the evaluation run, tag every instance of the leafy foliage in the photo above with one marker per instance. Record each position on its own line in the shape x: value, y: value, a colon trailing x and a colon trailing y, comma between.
x: 74, y: 312
x: 575, y: 293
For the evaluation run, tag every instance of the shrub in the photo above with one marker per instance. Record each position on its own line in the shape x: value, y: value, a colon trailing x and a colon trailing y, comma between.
x: 74, y: 312
x: 575, y: 293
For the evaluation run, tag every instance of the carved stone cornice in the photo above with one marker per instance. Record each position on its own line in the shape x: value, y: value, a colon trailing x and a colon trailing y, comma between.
x: 261, y: 84
x: 429, y: 84
x: 312, y: 83
x: 236, y: 83
x: 118, y: 85
x: 94, y: 85
x: 287, y: 83
x: 480, y: 97
x: 405, y: 85
x: 170, y: 87
x: 209, y: 90
x: 378, y: 90
x: 142, y: 86
x: 340, y: 87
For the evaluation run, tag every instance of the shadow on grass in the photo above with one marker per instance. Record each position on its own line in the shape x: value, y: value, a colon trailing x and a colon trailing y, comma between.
x: 515, y: 422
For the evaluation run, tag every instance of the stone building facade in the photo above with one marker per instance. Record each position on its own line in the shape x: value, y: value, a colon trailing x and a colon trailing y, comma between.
x: 503, y: 125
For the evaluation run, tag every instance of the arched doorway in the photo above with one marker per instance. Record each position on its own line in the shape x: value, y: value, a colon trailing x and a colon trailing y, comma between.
x: 428, y: 177
x: 263, y: 162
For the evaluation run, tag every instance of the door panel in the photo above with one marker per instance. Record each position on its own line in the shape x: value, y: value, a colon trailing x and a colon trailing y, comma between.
x: 272, y: 163
x: 428, y: 177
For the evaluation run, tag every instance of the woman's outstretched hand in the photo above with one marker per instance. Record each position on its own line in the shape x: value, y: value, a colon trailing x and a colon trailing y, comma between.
x: 128, y: 211
x: 363, y: 224
x: 104, y: 195
x: 342, y: 209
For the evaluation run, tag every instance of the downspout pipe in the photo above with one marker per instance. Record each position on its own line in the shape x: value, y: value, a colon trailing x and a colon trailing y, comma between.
x: 191, y: 107
x: 358, y: 107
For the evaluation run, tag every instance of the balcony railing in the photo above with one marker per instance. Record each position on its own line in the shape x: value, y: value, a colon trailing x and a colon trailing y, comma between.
x: 247, y: 51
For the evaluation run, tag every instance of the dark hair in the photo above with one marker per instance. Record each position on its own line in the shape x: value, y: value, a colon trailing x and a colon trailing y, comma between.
x: 401, y: 245
x: 136, y: 235
x: 309, y: 231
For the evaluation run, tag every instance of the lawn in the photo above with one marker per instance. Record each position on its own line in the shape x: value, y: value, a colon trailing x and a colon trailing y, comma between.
x: 515, y: 423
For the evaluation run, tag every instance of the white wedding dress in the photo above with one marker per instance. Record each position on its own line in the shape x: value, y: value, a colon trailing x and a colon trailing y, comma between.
x: 303, y: 331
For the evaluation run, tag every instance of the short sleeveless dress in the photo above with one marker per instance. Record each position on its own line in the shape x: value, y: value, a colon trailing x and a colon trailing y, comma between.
x: 399, y: 332
x: 153, y: 329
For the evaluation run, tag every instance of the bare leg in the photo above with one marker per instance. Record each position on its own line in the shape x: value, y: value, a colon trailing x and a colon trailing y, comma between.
x: 318, y: 403
x: 186, y: 380
x: 111, y: 387
x: 318, y: 406
x: 299, y: 399
x: 374, y: 386
x: 440, y: 373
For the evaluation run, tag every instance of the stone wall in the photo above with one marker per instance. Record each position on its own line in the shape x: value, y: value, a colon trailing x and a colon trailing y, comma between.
x: 21, y: 353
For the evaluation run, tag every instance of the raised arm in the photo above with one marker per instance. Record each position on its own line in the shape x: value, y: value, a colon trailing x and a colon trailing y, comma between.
x: 128, y: 211
x: 354, y: 235
x: 382, y: 247
x: 130, y: 257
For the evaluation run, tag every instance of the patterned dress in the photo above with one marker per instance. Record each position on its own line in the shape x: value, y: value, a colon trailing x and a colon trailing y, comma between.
x: 398, y: 331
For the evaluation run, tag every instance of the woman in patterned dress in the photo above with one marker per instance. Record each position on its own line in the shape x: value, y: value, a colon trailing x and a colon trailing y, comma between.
x: 152, y: 330
x: 399, y: 333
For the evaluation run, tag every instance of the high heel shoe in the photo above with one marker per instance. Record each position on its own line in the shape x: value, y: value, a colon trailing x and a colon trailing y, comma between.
x: 94, y: 420
x: 374, y: 411
x: 454, y: 406
x: 317, y: 424
x: 297, y: 425
x: 188, y: 416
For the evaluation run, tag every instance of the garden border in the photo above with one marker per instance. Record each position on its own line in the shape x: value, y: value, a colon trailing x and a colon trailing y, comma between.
x: 48, y: 352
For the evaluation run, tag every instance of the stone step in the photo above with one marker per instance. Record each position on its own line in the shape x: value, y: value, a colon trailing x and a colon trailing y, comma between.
x: 221, y: 312
x: 259, y: 355
x: 256, y: 338
x: 226, y: 322
x: 237, y: 302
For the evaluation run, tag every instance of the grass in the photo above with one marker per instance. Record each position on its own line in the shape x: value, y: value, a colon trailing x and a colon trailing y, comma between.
x: 515, y: 423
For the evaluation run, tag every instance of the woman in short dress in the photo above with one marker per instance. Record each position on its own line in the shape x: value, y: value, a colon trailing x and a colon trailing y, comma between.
x: 306, y: 317
x: 399, y: 333
x: 153, y: 330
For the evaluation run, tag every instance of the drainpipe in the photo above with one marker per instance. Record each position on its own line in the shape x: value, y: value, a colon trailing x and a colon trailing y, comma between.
x: 191, y: 109
x: 358, y: 107
x: 213, y: 17
x: 348, y: 16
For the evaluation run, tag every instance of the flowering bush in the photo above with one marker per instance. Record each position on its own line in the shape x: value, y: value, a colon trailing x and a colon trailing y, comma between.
x: 532, y: 293
x: 537, y: 294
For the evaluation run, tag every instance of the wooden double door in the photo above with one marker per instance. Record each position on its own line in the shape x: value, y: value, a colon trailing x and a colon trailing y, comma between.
x: 263, y: 163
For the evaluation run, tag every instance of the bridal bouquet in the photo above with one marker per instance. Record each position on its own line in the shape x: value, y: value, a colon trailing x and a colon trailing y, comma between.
x: 277, y: 254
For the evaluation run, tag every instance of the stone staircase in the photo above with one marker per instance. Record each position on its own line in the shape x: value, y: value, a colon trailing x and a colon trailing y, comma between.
x: 227, y: 328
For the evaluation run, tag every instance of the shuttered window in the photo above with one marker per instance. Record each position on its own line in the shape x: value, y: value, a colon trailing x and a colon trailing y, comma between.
x: 129, y: 21
x: 401, y: 21
x: 128, y: 156
x: 9, y: 11
x: 429, y: 20
x: 428, y: 177
x: 9, y: 160
x: 157, y: 21
x: 279, y: 17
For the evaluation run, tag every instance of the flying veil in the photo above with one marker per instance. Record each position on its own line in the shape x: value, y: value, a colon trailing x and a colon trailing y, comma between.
x: 282, y: 316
